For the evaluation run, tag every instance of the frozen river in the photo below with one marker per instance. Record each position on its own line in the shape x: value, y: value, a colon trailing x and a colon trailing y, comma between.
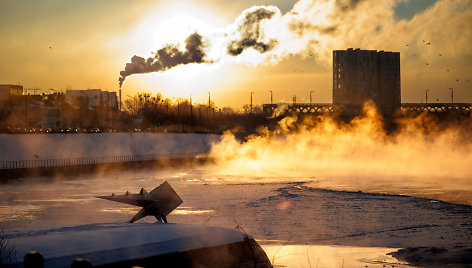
x: 296, y: 222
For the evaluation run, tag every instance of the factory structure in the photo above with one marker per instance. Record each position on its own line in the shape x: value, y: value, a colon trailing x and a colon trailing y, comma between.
x: 366, y: 75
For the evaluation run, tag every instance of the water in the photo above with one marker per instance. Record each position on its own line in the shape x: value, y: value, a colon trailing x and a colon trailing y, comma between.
x: 297, y: 224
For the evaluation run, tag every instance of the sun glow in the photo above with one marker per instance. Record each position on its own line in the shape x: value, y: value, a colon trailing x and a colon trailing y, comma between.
x: 172, y: 24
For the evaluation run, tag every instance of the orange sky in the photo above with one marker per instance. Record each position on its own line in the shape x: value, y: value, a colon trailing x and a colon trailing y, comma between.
x: 63, y: 44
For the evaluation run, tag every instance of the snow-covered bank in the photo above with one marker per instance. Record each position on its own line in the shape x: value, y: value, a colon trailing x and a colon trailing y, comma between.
x: 124, y: 244
x: 81, y: 145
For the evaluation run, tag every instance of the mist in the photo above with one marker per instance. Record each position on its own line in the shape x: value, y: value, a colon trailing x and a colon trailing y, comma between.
x: 420, y: 158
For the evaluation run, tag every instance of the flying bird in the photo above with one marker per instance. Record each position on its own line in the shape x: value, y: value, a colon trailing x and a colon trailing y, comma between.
x: 440, y: 55
x: 457, y: 80
x: 406, y: 45
x: 427, y: 64
x: 447, y: 70
x: 158, y: 203
x: 428, y: 44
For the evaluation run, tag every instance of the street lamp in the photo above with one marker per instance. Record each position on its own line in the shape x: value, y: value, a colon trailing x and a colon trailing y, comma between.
x: 294, y: 99
x: 209, y: 104
x: 426, y: 91
x: 310, y: 95
x: 191, y: 113
x: 270, y: 97
x: 251, y: 101
x: 452, y: 97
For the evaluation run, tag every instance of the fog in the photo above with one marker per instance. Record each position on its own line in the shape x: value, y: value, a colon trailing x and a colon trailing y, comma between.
x: 420, y: 158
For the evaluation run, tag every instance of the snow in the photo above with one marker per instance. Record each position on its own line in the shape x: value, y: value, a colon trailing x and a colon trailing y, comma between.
x: 59, y: 146
x: 108, y: 243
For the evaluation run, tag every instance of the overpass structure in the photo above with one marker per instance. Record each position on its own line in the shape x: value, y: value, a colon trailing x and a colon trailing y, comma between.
x: 329, y: 108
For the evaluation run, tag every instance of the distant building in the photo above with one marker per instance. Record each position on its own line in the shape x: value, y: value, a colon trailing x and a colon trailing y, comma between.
x: 363, y: 75
x: 94, y: 98
x: 10, y: 90
x: 91, y: 107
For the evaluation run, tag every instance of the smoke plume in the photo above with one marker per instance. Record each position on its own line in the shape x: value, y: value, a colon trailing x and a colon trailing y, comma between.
x: 262, y: 35
x: 250, y: 33
x: 166, y: 58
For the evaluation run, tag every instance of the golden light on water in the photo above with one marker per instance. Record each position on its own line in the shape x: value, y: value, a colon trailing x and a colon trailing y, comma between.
x: 19, y: 212
x: 192, y: 212
x: 286, y: 255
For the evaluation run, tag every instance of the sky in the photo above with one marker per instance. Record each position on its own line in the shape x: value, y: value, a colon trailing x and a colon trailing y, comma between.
x: 232, y: 48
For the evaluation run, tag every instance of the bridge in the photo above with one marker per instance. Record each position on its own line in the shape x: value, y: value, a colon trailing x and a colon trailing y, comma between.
x: 328, y: 108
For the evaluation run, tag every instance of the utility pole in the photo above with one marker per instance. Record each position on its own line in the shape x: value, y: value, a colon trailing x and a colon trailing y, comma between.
x: 294, y: 99
x: 310, y: 95
x: 270, y: 97
x: 426, y: 91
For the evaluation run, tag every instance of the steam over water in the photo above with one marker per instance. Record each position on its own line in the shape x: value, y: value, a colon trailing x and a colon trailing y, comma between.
x: 421, y: 158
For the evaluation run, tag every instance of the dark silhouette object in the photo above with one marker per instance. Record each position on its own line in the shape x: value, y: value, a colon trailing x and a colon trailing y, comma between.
x: 33, y: 259
x: 440, y: 55
x: 448, y: 70
x: 428, y: 44
x: 427, y: 64
x: 158, y: 203
x: 81, y: 263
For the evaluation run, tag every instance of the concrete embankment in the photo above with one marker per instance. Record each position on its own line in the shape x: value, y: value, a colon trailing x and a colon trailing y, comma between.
x: 52, y: 152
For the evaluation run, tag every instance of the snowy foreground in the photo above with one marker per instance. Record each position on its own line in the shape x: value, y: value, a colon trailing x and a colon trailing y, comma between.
x: 297, y: 225
x: 118, y: 244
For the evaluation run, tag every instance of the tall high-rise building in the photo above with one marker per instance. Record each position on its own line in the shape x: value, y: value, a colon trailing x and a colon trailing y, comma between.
x: 363, y: 75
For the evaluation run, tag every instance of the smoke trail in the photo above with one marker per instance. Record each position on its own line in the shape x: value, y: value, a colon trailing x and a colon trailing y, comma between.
x: 250, y: 33
x: 166, y: 58
x: 316, y: 28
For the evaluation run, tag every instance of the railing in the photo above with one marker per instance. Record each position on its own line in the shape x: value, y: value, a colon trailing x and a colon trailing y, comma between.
x: 16, y: 164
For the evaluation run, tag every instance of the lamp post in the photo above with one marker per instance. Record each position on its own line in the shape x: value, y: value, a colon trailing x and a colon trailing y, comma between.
x: 251, y: 101
x: 270, y: 97
x: 209, y: 104
x: 311, y: 92
x: 191, y: 113
x: 452, y: 97
x: 426, y: 91
x: 294, y: 99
